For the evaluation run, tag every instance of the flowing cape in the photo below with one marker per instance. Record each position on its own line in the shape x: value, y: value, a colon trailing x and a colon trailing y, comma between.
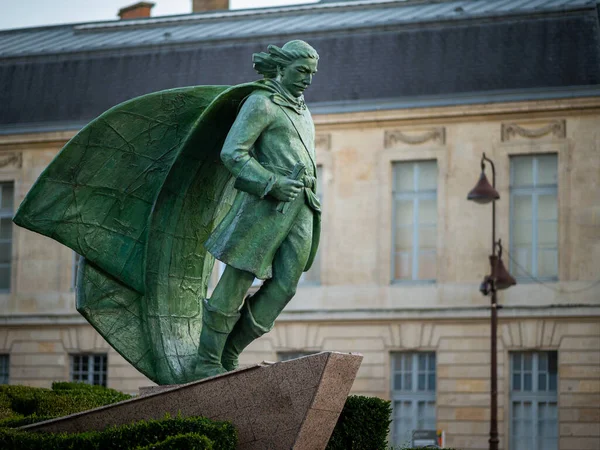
x: 136, y: 193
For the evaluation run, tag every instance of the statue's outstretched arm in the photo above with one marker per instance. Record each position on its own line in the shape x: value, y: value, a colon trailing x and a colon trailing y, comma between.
x: 254, y: 117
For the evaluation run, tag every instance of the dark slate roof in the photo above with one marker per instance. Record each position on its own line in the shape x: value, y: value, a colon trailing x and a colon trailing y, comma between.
x: 370, y: 51
x: 249, y: 24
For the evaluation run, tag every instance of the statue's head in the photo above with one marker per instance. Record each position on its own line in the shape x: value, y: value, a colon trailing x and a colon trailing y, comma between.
x: 293, y: 65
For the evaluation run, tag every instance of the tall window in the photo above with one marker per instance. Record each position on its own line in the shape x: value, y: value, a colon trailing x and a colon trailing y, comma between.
x: 313, y: 276
x: 89, y: 369
x: 414, y: 221
x: 413, y: 394
x: 6, y: 213
x: 4, y: 365
x: 534, y: 216
x: 533, y: 401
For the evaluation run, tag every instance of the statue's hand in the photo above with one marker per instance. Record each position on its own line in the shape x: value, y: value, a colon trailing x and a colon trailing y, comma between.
x: 286, y: 189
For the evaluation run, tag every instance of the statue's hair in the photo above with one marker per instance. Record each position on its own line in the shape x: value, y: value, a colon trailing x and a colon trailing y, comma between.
x: 267, y: 63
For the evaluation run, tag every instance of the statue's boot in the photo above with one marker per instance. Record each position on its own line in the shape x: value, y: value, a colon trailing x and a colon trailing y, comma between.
x: 245, y: 331
x: 216, y: 327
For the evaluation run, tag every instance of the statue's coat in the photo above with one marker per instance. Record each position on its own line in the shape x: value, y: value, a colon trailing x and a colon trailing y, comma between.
x: 267, y: 138
x: 137, y: 193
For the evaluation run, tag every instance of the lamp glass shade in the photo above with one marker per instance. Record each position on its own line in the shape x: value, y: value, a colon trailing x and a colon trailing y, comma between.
x: 483, y: 192
x: 503, y: 279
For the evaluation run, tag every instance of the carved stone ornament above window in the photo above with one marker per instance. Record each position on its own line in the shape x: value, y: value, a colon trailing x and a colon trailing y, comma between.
x: 556, y: 128
x: 11, y: 159
x: 323, y: 141
x: 392, y: 137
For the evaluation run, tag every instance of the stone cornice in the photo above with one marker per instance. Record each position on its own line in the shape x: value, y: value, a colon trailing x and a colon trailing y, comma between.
x: 463, y: 313
x: 378, y: 113
x: 460, y: 108
x: 362, y: 315
x: 37, y: 140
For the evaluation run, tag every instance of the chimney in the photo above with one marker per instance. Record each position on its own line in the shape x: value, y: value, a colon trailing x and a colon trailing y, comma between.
x: 136, y: 11
x: 209, y: 5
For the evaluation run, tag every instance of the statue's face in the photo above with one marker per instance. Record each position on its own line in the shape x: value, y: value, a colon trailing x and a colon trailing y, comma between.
x: 296, y: 77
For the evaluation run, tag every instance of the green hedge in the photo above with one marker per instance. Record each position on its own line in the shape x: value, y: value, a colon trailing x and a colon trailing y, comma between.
x: 23, y: 405
x: 76, y: 386
x: 181, y: 433
x: 363, y: 425
x: 5, y: 410
x: 61, y: 400
x: 20, y: 421
x: 189, y: 441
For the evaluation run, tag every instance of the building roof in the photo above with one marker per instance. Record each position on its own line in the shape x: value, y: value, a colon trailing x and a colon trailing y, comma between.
x: 370, y: 51
x: 256, y: 23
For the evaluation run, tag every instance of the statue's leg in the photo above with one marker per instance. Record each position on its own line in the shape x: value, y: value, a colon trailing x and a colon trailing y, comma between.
x: 221, y: 312
x: 259, y: 311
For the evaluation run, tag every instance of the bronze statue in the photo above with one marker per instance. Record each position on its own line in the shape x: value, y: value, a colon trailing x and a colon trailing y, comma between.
x: 155, y: 187
x: 270, y: 152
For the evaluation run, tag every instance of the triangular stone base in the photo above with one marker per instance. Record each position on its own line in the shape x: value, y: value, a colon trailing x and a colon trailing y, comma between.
x: 287, y: 405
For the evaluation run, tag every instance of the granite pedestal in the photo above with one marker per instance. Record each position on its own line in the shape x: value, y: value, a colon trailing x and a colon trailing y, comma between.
x: 286, y: 405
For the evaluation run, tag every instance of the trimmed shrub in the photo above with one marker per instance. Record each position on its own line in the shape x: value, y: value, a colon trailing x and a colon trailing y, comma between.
x: 75, y: 386
x: 219, y: 435
x: 23, y: 405
x: 363, y: 425
x: 5, y: 410
x: 67, y: 398
x: 222, y: 434
x: 17, y: 421
x: 189, y: 441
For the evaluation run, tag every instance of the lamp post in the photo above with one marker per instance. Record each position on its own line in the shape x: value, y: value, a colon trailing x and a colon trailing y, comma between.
x: 499, y: 278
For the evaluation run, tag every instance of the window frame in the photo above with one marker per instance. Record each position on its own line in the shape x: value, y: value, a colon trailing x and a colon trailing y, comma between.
x: 534, y: 192
x: 534, y: 396
x: 103, y: 374
x: 416, y: 196
x: 414, y: 395
x: 4, y: 214
x: 4, y: 368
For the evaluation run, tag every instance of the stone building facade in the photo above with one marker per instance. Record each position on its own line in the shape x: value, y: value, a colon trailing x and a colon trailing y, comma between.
x: 408, y: 302
x: 354, y: 307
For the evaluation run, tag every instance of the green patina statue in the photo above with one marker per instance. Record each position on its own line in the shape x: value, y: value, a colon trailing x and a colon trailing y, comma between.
x: 154, y: 189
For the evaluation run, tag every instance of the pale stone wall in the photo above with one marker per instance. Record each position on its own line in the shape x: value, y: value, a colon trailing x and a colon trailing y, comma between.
x: 463, y: 367
x: 356, y: 308
x: 40, y: 354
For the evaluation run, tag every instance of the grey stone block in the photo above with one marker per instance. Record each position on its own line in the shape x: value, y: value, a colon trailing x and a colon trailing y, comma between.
x: 287, y: 405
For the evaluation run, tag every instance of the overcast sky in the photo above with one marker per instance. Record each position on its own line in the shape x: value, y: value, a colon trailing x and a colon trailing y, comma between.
x: 32, y: 13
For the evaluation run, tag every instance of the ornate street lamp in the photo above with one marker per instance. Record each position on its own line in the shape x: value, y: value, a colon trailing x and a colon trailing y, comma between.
x: 499, y: 278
